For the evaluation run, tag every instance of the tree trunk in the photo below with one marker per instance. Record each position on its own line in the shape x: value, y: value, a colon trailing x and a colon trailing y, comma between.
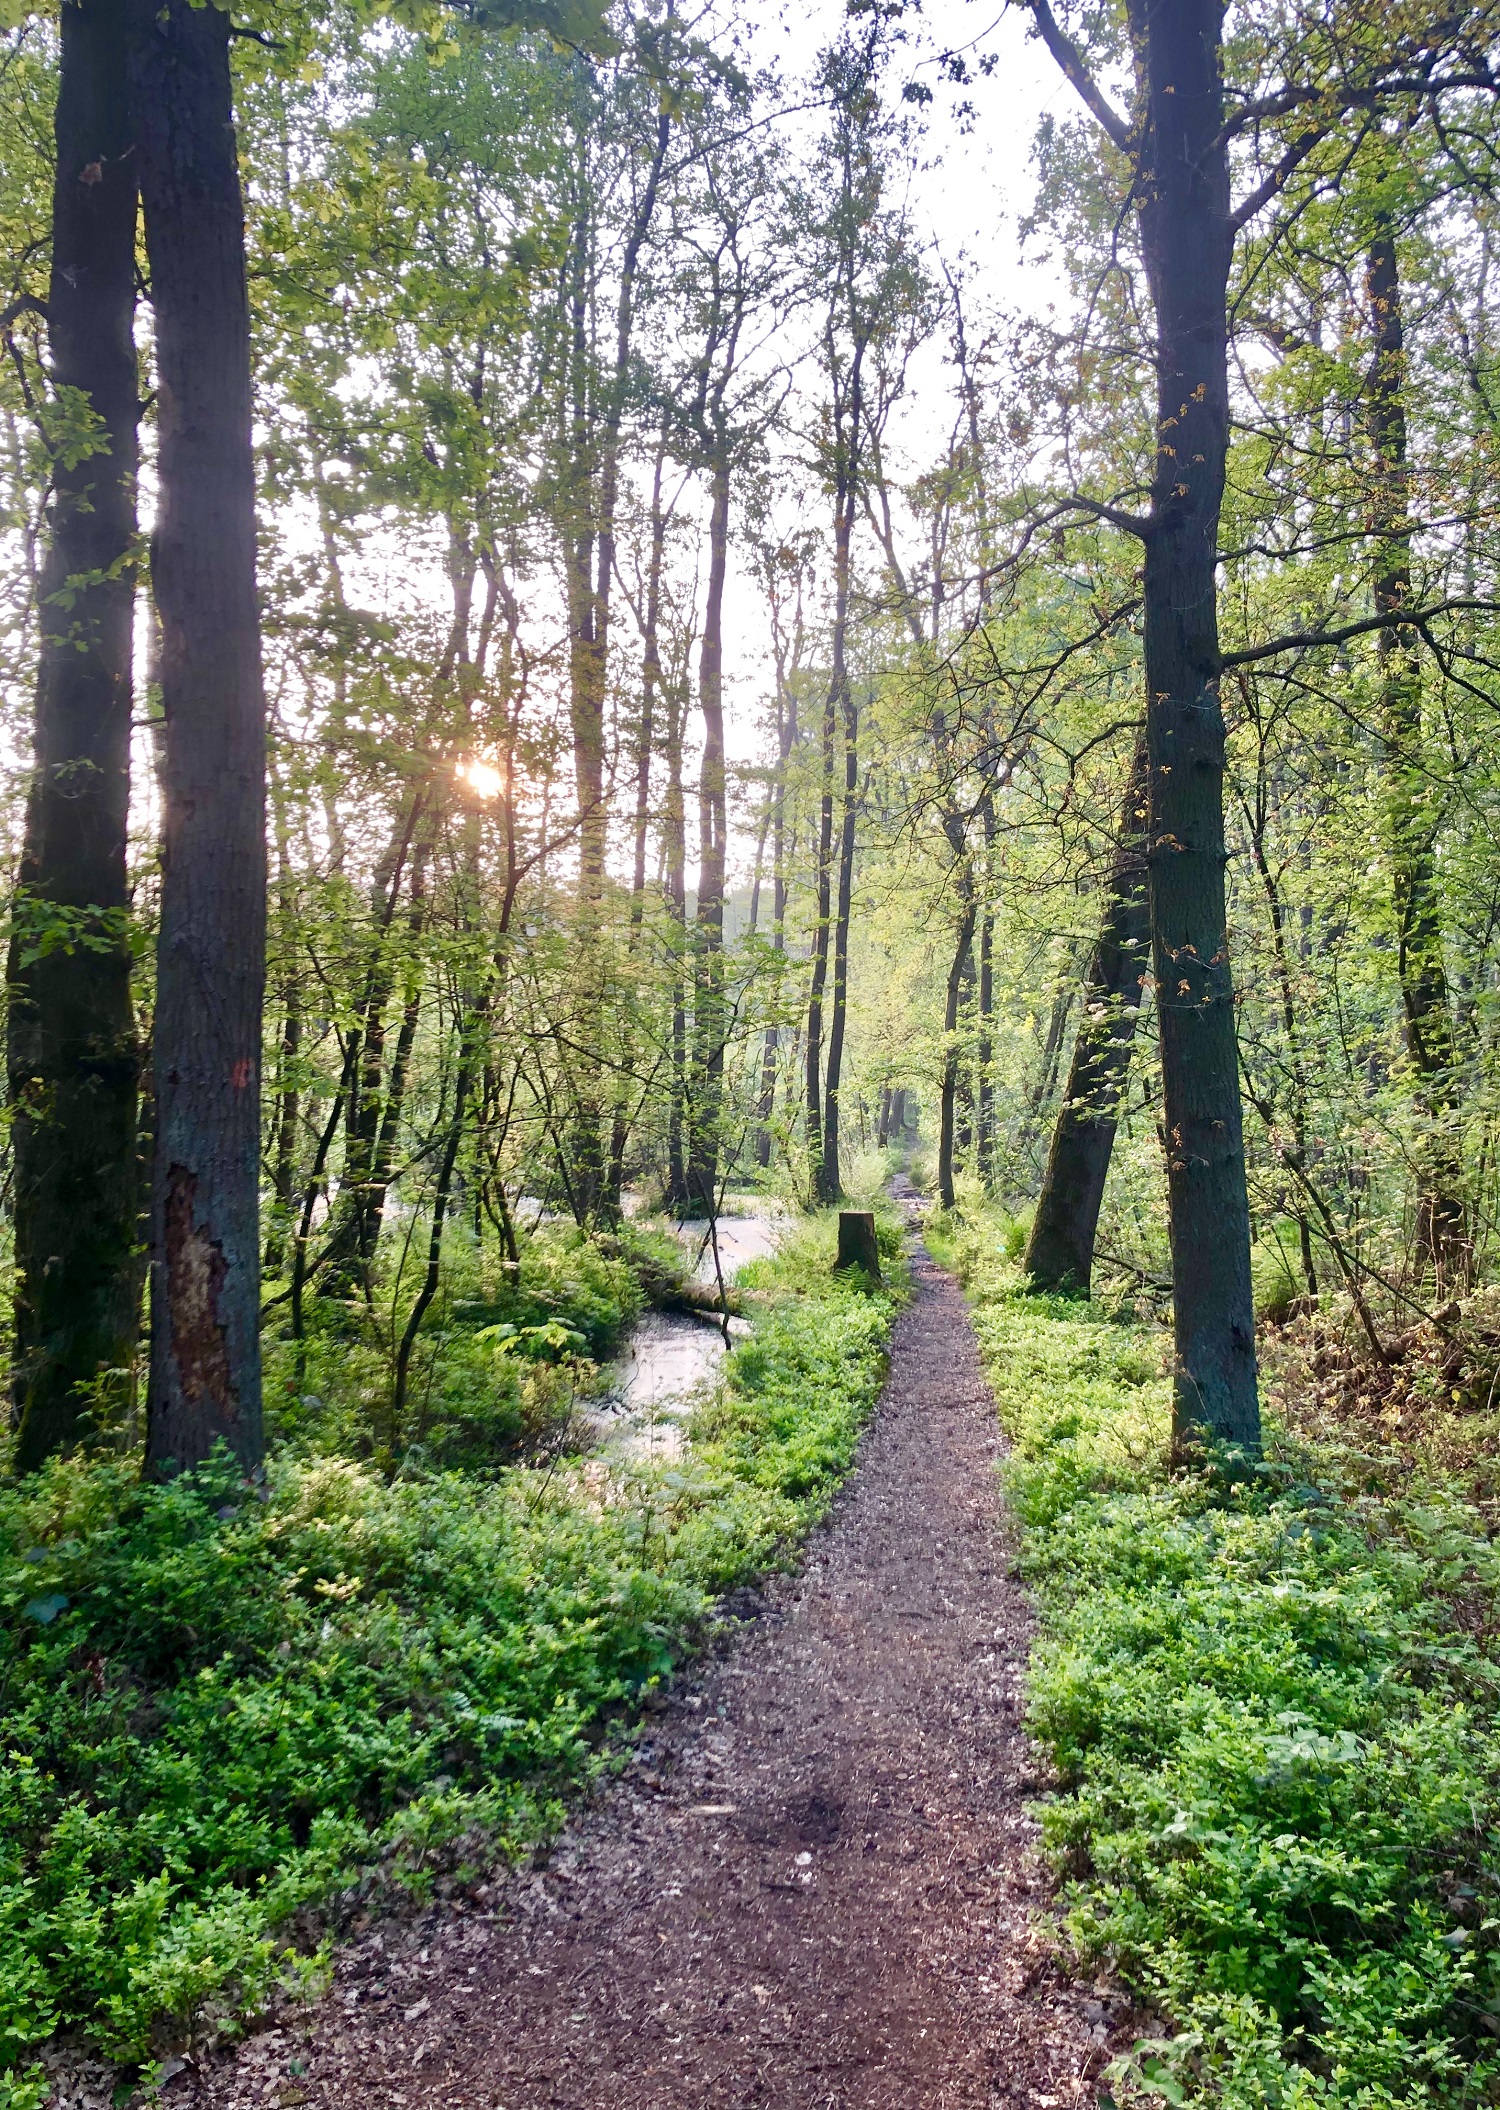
x: 1255, y: 828
x: 858, y: 1246
x: 985, y: 1052
x: 675, y: 847
x: 591, y: 531
x: 432, y: 1274
x: 384, y: 1162
x: 949, y: 1092
x: 1441, y: 1231
x: 709, y: 1026
x: 72, y: 1057
x: 1060, y: 1250
x: 288, y: 1099
x: 833, y: 1185
x: 205, y: 1329
x: 619, y: 1135
x: 837, y: 706
x: 1188, y: 241
x: 786, y: 740
x: 823, y: 891
x: 347, y: 1248
x: 650, y: 683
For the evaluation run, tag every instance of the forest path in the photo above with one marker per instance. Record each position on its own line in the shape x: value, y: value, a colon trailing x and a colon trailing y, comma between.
x: 809, y: 1890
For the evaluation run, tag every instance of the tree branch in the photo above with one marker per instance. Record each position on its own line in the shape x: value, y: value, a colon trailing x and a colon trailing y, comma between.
x: 1307, y: 640
x: 1070, y: 59
x: 23, y: 304
x: 1265, y: 191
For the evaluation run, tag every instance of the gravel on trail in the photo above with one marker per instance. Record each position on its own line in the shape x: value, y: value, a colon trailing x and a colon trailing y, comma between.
x: 814, y: 1886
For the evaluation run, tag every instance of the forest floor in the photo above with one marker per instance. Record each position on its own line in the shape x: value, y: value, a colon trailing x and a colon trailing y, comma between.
x: 812, y: 1887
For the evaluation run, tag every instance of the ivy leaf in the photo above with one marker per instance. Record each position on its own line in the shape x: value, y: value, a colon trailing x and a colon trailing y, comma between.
x: 45, y: 1609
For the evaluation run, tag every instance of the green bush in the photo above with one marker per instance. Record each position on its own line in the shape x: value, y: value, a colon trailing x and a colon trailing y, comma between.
x: 1273, y: 1711
x: 223, y: 1702
x: 472, y: 1407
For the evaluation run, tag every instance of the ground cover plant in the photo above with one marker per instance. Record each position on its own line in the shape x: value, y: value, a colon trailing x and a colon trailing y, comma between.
x: 1274, y: 1712
x: 229, y: 1705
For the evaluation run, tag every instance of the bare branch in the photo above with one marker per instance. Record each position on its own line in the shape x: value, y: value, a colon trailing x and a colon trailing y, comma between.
x: 1309, y: 640
x: 1070, y: 59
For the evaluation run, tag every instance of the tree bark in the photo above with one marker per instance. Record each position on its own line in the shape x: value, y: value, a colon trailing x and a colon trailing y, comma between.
x: 985, y: 1050
x: 383, y: 1164
x: 709, y: 1027
x: 786, y: 739
x: 590, y: 533
x: 205, y: 1331
x: 619, y: 1134
x: 833, y: 1183
x: 72, y: 1057
x: 1442, y: 1241
x: 948, y: 1096
x: 347, y: 1249
x: 818, y: 982
x: 288, y: 1099
x: 858, y: 1246
x: 1060, y: 1250
x: 432, y: 1273
x: 1188, y: 241
x: 675, y: 848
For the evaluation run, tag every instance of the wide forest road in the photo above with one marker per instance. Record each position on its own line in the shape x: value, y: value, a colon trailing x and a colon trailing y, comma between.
x: 809, y: 1889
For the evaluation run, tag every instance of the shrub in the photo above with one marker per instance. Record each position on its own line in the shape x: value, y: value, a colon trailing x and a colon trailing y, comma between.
x: 1273, y: 1713
x: 224, y: 1702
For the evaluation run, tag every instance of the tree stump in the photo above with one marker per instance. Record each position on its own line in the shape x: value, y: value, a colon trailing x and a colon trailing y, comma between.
x: 857, y: 1247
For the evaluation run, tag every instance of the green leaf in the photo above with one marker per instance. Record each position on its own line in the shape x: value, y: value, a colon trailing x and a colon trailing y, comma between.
x: 45, y: 1609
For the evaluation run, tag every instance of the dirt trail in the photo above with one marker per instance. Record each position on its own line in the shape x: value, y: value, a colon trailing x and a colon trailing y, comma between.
x: 809, y: 1892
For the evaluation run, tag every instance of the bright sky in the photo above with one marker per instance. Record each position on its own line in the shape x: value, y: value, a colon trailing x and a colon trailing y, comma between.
x: 970, y: 191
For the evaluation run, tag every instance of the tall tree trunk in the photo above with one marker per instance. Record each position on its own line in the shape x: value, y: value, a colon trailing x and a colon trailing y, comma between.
x: 346, y: 1248
x: 675, y: 847
x: 383, y: 1163
x: 72, y: 1057
x: 205, y: 1330
x: 650, y: 683
x: 833, y: 1185
x: 709, y: 1027
x: 1060, y: 1250
x: 619, y: 1136
x: 1255, y: 828
x: 1441, y: 1233
x: 948, y: 1094
x: 786, y: 737
x: 818, y: 982
x: 985, y: 1051
x: 590, y: 536
x: 589, y: 562
x: 1188, y: 242
x: 432, y: 1273
x: 288, y: 1100
x: 837, y: 709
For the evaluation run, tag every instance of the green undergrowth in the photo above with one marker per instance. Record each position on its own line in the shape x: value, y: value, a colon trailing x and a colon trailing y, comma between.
x: 1274, y: 1713
x: 236, y: 1715
x: 498, y: 1361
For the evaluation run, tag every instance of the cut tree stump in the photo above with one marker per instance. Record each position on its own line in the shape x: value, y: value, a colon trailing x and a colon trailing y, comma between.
x: 857, y: 1247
